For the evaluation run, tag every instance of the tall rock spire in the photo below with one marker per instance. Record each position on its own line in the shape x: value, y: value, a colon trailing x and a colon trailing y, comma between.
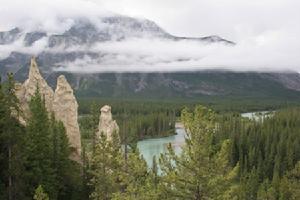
x: 62, y: 103
x: 34, y: 70
x: 65, y: 109
x: 107, y: 125
x: 28, y: 89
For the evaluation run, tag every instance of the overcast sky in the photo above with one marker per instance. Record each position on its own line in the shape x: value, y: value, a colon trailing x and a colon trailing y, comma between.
x: 267, y: 31
x: 233, y: 19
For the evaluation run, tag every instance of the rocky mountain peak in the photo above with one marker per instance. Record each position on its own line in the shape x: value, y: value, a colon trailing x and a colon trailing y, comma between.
x: 82, y: 40
x: 10, y: 36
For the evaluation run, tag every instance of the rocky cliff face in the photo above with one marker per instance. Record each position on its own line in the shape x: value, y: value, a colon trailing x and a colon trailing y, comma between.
x: 106, y: 124
x: 65, y: 109
x: 63, y: 103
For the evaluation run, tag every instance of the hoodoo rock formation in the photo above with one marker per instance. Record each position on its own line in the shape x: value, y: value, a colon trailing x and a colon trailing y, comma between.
x: 65, y: 109
x: 107, y: 125
x: 25, y: 91
x: 62, y: 103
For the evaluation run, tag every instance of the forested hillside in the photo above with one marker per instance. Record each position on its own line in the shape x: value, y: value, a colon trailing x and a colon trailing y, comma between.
x: 225, y: 156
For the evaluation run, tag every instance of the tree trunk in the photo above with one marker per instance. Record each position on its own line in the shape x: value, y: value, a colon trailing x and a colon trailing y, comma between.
x: 9, y: 176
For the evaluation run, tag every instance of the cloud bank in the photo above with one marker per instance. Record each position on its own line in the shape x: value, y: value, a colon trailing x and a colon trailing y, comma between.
x: 266, y: 32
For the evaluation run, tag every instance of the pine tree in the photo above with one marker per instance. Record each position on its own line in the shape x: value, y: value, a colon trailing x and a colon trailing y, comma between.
x: 135, y: 179
x: 94, y: 119
x: 39, y: 148
x: 290, y: 184
x: 266, y: 191
x: 105, y: 168
x: 194, y: 173
x: 61, y: 163
x: 40, y: 194
x: 11, y: 142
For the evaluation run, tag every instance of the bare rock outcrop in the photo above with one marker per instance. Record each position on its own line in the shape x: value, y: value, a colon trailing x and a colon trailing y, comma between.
x: 62, y: 103
x: 65, y: 109
x: 35, y: 80
x: 107, y: 125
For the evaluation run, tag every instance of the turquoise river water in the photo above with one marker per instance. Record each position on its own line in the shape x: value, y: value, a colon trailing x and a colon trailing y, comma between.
x: 154, y: 147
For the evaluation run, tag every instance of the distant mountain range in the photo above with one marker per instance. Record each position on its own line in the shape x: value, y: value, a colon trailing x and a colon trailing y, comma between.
x: 113, y: 28
x: 190, y: 85
x: 75, y: 43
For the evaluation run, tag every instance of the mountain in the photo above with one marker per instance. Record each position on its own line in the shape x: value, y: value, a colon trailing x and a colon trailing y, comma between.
x: 81, y: 40
x: 195, y: 85
x: 176, y: 85
x: 77, y: 43
x: 112, y: 28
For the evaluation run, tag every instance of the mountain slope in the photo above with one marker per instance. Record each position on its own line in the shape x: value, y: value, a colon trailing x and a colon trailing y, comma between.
x: 180, y: 85
x: 78, y: 43
x: 84, y: 40
x: 184, y: 85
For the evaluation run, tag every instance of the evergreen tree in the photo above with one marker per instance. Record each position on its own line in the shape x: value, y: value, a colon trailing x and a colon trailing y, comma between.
x: 40, y: 194
x: 266, y: 191
x: 38, y: 150
x: 61, y: 164
x: 290, y: 184
x: 11, y: 143
x: 194, y: 174
x: 94, y: 120
x: 105, y: 168
x: 136, y: 180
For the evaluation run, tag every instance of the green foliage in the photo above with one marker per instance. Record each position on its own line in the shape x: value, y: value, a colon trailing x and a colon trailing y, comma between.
x: 39, y: 148
x: 136, y: 182
x: 148, y: 122
x: 105, y: 168
x: 228, y: 157
x: 47, y: 154
x: 11, y: 143
x: 198, y: 172
x: 225, y: 156
x: 40, y: 194
x: 266, y: 150
x: 116, y: 174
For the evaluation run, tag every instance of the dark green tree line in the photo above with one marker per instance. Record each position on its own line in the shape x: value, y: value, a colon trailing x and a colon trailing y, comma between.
x: 11, y: 143
x: 36, y: 153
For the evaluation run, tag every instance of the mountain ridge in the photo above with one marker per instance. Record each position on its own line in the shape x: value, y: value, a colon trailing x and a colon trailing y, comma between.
x: 193, y: 84
x: 114, y: 28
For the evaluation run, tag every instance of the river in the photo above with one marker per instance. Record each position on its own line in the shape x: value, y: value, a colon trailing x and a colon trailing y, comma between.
x: 258, y: 115
x: 154, y: 147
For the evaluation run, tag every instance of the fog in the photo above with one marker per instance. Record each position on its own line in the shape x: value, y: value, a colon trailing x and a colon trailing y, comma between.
x: 266, y: 33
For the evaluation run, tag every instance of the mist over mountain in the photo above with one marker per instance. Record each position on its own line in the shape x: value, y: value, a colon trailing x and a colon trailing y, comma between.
x: 120, y: 56
x: 90, y: 44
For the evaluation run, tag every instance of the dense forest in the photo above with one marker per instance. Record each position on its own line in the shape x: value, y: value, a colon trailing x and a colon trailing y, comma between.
x: 225, y: 156
x: 135, y: 122
x: 218, y: 104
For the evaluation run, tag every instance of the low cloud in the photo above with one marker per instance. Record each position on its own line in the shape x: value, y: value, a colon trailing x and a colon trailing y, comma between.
x: 272, y: 51
x: 18, y: 46
x: 263, y: 43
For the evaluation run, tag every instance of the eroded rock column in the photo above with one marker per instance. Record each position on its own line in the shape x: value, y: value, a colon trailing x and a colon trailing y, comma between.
x: 27, y: 90
x: 65, y: 108
x: 107, y: 125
